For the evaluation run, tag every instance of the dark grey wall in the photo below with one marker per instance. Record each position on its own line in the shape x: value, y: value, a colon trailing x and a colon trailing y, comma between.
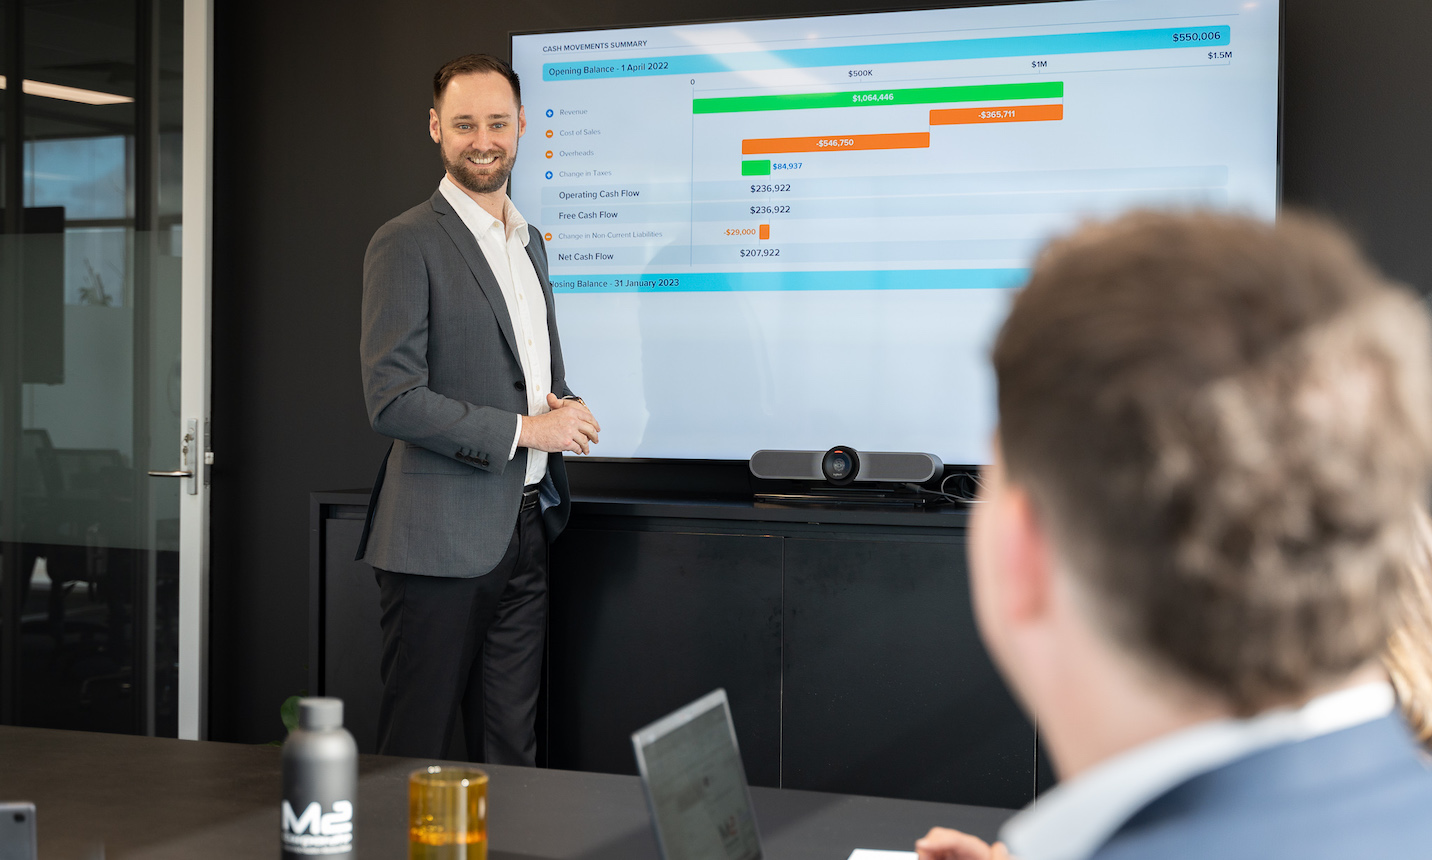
x: 321, y: 137
x: 1356, y: 123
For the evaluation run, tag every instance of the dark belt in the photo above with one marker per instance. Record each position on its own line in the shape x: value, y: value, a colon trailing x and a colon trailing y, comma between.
x: 530, y: 496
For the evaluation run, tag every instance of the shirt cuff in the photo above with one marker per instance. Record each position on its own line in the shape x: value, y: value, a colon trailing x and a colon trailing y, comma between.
x: 516, y: 437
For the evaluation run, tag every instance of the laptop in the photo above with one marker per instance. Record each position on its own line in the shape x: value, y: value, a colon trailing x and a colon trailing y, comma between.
x: 695, y: 784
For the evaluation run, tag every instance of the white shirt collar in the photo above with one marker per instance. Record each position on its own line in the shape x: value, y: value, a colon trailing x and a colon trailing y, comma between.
x: 1073, y: 819
x: 479, y: 220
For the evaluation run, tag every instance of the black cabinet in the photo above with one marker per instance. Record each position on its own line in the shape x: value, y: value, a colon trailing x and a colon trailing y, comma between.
x: 844, y: 639
x: 888, y: 690
x: 643, y: 623
x: 351, y: 642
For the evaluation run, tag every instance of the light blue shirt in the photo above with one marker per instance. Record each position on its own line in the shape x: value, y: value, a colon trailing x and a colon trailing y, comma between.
x: 1071, y: 821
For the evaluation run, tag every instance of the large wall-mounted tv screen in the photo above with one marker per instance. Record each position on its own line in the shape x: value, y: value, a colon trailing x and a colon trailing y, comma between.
x: 804, y: 232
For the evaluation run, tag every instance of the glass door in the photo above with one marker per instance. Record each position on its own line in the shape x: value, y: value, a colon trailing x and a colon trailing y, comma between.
x: 101, y: 367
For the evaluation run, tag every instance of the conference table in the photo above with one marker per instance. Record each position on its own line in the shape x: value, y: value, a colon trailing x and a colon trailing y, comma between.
x: 102, y: 796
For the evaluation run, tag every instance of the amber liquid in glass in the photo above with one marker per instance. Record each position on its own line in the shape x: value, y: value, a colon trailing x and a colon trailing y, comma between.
x: 447, y: 815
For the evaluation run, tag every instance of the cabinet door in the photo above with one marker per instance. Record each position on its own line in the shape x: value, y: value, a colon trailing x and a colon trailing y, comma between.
x: 645, y: 622
x: 888, y: 690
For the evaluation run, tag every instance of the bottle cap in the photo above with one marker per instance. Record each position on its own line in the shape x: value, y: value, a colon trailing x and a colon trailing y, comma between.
x: 320, y: 714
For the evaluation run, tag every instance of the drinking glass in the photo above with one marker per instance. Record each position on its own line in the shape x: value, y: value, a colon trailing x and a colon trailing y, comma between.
x: 447, y: 814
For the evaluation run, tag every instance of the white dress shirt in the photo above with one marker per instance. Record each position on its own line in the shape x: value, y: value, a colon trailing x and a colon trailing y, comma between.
x: 1072, y: 820
x: 505, y: 248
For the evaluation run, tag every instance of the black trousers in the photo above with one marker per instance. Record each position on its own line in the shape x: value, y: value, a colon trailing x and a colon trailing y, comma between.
x: 470, y: 644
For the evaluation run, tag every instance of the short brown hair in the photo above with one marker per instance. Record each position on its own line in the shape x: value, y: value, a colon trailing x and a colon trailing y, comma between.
x: 469, y: 64
x: 1226, y: 424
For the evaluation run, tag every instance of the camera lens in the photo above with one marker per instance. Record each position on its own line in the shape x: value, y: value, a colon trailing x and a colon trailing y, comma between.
x: 840, y: 465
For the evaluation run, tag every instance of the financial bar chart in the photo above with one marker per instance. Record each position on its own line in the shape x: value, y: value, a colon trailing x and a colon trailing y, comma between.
x: 894, y: 156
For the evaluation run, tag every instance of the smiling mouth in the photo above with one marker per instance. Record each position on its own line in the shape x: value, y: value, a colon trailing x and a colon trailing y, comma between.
x: 482, y: 159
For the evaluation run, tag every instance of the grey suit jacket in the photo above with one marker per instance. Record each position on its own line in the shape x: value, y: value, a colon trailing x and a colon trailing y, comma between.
x: 1360, y: 792
x: 441, y: 376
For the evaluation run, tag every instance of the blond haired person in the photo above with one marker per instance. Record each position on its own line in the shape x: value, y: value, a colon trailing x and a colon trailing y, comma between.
x: 1409, y: 650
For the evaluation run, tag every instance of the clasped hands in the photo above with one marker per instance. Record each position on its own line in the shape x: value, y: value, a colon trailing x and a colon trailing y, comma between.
x: 944, y: 844
x: 570, y: 426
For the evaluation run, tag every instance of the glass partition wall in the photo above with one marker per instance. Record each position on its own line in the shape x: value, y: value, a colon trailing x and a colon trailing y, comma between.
x: 90, y: 363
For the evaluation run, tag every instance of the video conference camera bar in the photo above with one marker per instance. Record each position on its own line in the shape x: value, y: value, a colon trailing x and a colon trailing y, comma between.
x: 884, y: 477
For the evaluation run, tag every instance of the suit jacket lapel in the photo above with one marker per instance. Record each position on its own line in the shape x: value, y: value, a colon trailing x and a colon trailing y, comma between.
x: 477, y: 262
x: 537, y: 253
x: 539, y: 263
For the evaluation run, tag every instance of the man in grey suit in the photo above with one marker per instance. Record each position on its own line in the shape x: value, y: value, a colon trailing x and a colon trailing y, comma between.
x: 1186, y: 561
x: 462, y: 367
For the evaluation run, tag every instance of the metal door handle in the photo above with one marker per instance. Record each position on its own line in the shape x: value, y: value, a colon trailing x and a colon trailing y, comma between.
x: 188, y: 458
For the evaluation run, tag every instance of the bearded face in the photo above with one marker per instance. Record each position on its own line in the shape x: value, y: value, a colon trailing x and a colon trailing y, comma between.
x: 476, y: 125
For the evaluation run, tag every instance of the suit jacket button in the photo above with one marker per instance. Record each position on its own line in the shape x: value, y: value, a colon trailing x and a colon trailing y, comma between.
x: 519, y: 386
x: 483, y: 462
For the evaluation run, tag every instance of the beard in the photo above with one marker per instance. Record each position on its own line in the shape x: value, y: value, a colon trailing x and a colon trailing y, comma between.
x: 465, y: 173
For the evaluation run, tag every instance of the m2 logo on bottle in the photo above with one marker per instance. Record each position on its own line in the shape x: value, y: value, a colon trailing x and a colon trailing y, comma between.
x: 316, y: 831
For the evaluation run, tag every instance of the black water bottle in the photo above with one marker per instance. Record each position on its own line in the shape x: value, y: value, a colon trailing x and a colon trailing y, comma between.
x: 320, y: 783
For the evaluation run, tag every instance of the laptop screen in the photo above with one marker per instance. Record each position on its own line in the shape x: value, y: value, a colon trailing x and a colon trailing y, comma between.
x: 695, y: 784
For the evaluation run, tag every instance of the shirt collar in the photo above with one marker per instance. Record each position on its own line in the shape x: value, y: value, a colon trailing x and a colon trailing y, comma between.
x: 1073, y: 819
x: 477, y: 219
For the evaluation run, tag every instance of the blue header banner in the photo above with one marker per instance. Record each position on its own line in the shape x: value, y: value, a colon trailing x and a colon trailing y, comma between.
x: 771, y: 282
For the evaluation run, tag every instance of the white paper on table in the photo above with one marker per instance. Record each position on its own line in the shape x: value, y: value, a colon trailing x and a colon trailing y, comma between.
x: 871, y: 854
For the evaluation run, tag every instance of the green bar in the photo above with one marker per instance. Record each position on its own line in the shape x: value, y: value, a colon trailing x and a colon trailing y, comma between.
x: 870, y: 98
x: 756, y: 168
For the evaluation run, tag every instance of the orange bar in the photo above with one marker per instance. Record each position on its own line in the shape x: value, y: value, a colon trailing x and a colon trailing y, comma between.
x: 1017, y: 113
x: 909, y: 140
x: 765, y: 231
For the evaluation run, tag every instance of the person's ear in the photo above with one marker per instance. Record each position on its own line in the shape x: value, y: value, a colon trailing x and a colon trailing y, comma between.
x: 1027, y: 580
x: 434, y: 131
x: 521, y: 120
